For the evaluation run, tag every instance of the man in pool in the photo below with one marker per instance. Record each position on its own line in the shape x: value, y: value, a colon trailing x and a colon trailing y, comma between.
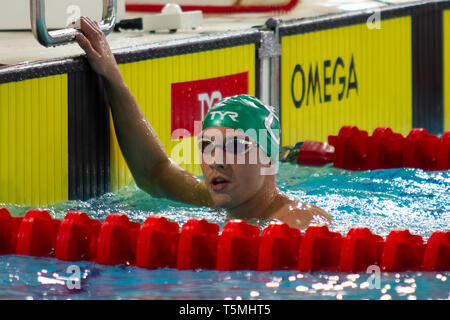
x: 245, y: 189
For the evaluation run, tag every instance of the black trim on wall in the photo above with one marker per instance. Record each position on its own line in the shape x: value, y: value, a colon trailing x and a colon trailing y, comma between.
x: 427, y: 71
x: 89, y: 137
x: 257, y: 73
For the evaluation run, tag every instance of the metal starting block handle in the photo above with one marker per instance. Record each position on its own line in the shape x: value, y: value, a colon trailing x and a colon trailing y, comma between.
x: 64, y: 36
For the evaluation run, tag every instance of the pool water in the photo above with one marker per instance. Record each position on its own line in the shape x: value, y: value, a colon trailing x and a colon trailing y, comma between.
x: 381, y: 200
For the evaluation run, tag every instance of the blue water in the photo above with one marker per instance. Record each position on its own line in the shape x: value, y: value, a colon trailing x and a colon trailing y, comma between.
x: 381, y: 200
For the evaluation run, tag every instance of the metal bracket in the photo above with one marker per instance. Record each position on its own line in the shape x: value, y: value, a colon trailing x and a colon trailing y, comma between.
x: 63, y: 36
x: 269, y: 56
x: 270, y: 42
x: 270, y: 47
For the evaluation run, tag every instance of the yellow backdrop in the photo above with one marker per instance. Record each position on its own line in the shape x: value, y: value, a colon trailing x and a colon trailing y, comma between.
x: 34, y: 141
x: 361, y: 77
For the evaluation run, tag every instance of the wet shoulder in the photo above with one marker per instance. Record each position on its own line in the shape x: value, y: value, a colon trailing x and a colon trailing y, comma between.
x: 301, y: 215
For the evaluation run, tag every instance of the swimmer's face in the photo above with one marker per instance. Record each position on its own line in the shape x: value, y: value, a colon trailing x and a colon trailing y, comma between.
x: 232, y: 178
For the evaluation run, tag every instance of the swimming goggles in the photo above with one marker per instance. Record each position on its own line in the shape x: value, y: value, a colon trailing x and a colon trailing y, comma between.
x: 233, y: 145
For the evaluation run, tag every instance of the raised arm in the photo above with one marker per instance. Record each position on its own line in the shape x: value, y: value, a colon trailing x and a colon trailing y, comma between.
x: 152, y: 169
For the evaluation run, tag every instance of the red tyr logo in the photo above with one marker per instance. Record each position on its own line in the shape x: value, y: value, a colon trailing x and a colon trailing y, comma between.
x: 191, y: 100
x: 205, y: 98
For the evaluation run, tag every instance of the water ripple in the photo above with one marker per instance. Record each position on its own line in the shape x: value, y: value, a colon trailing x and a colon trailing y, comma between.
x: 381, y: 200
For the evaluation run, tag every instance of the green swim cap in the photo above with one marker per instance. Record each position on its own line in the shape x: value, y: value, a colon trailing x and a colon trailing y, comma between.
x: 252, y: 117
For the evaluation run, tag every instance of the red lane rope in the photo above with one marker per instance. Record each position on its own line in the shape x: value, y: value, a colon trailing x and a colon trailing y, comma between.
x: 354, y: 149
x: 159, y: 243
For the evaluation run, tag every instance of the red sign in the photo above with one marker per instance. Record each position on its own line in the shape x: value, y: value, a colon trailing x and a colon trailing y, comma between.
x: 191, y: 100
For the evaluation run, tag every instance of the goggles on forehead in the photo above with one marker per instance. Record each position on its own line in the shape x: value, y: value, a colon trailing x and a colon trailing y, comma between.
x: 232, y: 145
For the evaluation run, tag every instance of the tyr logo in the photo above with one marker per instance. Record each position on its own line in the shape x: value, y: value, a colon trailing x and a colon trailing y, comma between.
x: 191, y: 100
x: 204, y: 97
x: 231, y: 114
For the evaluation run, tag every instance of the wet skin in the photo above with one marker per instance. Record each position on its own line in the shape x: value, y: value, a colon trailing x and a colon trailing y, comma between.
x: 238, y: 188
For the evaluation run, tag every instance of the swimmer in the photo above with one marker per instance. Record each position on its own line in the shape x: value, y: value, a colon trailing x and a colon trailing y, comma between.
x: 245, y: 189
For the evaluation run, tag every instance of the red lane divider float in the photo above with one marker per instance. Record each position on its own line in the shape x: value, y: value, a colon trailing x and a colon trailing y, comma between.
x: 197, y: 246
x: 158, y: 243
x: 9, y: 226
x: 77, y: 237
x: 402, y: 251
x: 385, y: 149
x: 320, y: 250
x: 279, y: 247
x: 443, y: 153
x: 350, y: 148
x: 238, y: 246
x: 360, y: 249
x: 37, y: 234
x: 117, y: 239
x: 437, y: 252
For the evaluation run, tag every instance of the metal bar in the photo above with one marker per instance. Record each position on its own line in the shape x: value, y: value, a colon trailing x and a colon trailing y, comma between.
x: 63, y: 36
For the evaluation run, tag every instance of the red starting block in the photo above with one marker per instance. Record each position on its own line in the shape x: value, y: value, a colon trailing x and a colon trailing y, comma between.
x: 402, y: 251
x: 320, y: 250
x: 157, y: 243
x: 77, y: 237
x: 279, y: 247
x: 238, y: 246
x: 360, y: 249
x: 37, y: 234
x: 197, y: 246
x: 437, y: 252
x: 116, y: 243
